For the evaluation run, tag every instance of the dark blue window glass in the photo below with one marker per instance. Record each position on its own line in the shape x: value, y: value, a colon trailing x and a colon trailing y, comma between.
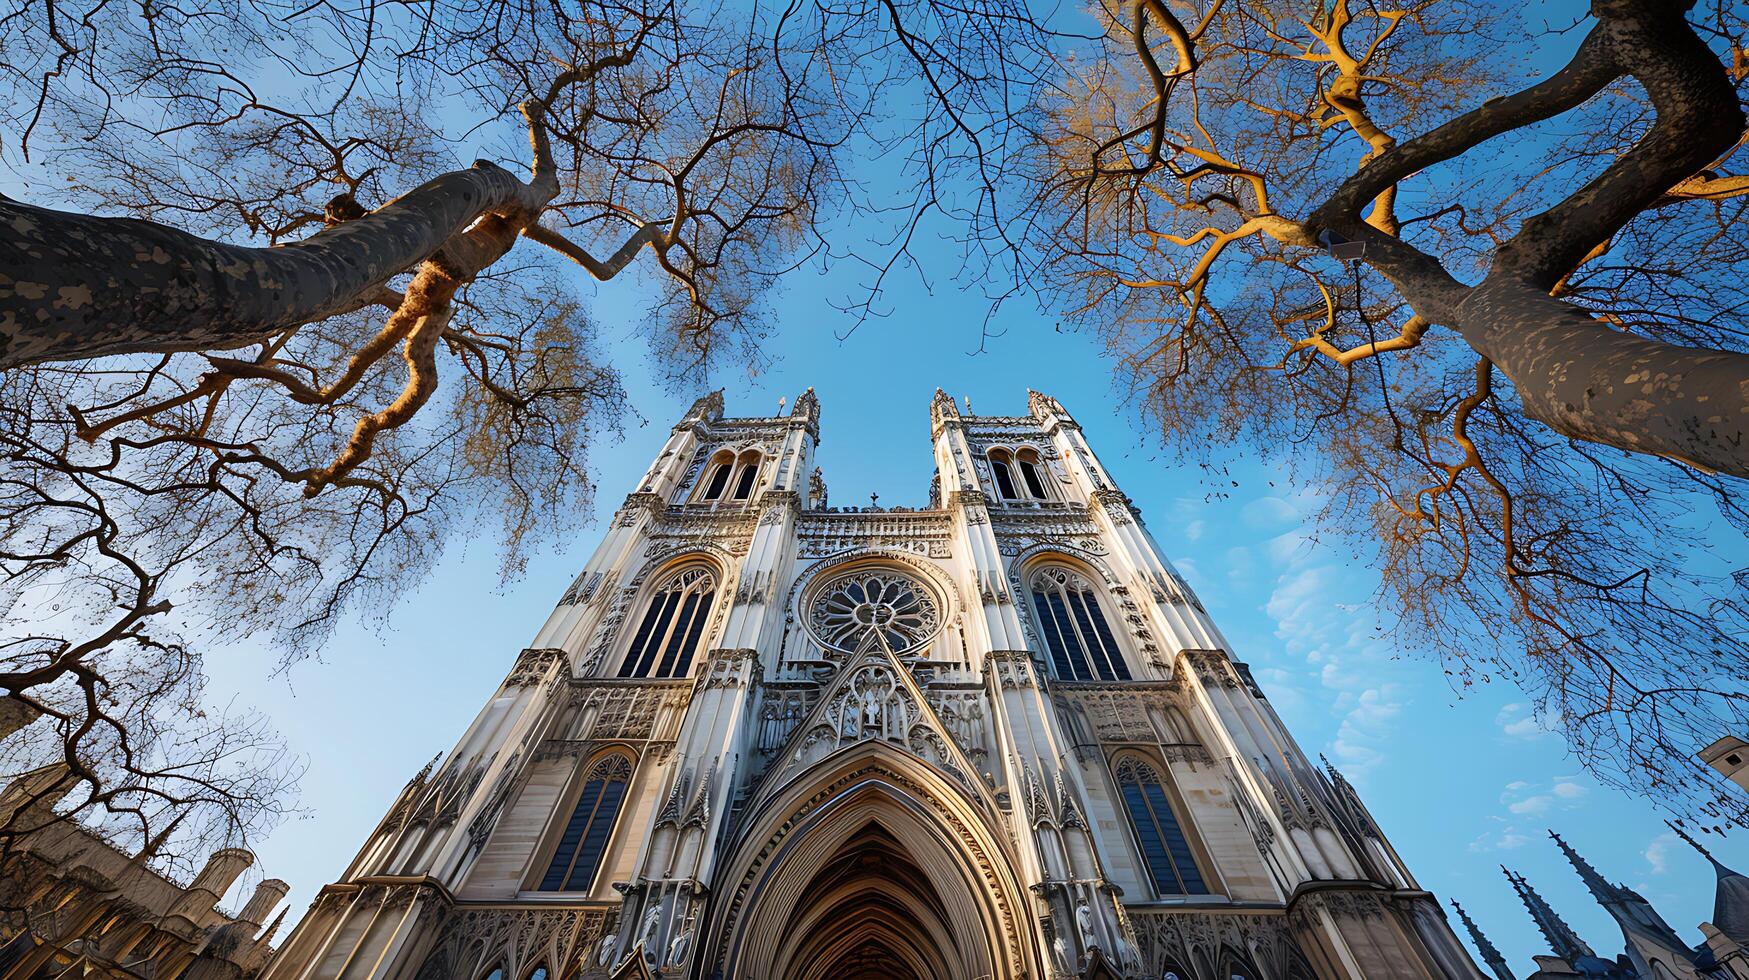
x: 1004, y: 479
x: 673, y: 626
x: 1163, y: 844
x: 1081, y: 643
x: 580, y: 847
x: 650, y: 634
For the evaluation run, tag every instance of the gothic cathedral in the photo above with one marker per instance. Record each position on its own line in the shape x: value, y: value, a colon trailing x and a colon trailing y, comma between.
x: 763, y: 738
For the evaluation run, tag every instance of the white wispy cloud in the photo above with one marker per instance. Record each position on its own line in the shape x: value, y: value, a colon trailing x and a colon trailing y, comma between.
x: 1503, y: 836
x: 1658, y: 852
x: 1517, y: 720
x: 1269, y: 512
x: 1321, y: 622
x: 1531, y: 806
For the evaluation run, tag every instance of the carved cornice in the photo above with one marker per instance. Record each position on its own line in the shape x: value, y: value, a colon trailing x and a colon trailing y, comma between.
x: 1340, y: 899
x: 1116, y: 687
x: 1115, y: 505
x: 1013, y: 668
x: 728, y: 667
x: 968, y: 498
x: 788, y: 500
x: 926, y: 533
x: 1212, y: 666
x: 643, y: 500
x: 532, y: 665
x: 474, y: 940
x: 1177, y: 938
x: 1005, y: 423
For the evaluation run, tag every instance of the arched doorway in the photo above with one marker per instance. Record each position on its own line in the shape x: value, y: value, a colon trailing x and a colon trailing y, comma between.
x: 870, y: 913
x: 872, y: 864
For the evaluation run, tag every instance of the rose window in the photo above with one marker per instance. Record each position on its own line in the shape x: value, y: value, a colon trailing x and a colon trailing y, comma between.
x: 863, y: 610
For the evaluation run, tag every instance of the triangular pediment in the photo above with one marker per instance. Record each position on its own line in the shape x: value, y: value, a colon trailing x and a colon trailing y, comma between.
x: 634, y: 966
x: 873, y: 697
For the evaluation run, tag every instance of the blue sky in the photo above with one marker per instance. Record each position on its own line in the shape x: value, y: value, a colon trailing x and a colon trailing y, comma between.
x: 1460, y: 784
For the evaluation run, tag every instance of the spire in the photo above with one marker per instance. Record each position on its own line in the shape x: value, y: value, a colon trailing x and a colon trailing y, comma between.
x: 1490, y: 954
x: 1639, y: 921
x: 1731, y: 900
x: 807, y: 408
x: 1043, y: 406
x: 941, y: 409
x: 1563, y: 941
x: 1601, y: 889
x: 705, y: 409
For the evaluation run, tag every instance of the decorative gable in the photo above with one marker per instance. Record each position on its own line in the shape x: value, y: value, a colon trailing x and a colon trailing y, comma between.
x: 873, y: 697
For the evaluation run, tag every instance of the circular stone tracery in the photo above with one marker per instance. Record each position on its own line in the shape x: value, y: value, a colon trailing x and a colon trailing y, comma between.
x: 865, y: 607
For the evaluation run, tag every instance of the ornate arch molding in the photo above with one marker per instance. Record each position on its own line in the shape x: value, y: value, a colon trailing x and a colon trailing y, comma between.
x: 1026, y: 562
x: 792, y: 835
x: 719, y: 558
x: 607, y: 644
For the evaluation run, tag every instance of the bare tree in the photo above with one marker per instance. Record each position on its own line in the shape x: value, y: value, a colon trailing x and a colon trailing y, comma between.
x: 287, y: 349
x: 1530, y: 373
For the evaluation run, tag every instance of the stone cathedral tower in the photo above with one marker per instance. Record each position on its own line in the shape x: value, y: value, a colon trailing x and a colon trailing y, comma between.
x: 765, y: 738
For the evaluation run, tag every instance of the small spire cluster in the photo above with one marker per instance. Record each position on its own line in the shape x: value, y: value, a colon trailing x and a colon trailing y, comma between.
x: 1652, y: 947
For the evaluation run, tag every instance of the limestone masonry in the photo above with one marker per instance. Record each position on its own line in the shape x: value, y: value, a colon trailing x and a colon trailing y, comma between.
x: 763, y: 737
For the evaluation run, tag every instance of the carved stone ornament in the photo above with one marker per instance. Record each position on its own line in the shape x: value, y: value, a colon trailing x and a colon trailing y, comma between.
x: 728, y: 667
x: 1013, y: 668
x: 1188, y: 944
x: 532, y: 665
x: 583, y: 589
x: 1115, y: 505
x: 1212, y: 666
x: 920, y: 533
x: 473, y: 942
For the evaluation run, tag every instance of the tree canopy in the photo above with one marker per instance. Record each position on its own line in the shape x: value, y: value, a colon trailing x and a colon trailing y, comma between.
x: 1494, y: 312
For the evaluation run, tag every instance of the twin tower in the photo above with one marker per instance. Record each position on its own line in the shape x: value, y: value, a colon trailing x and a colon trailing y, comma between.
x: 764, y: 738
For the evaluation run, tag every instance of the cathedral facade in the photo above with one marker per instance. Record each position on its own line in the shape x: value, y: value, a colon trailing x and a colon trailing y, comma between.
x: 765, y: 738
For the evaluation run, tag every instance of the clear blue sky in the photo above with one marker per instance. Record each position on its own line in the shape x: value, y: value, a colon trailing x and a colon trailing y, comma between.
x: 1461, y: 785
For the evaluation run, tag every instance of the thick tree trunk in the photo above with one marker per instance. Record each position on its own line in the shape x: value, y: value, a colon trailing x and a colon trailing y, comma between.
x: 75, y: 286
x: 1589, y: 381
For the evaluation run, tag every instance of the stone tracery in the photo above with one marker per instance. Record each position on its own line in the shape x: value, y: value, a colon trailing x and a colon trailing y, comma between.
x: 875, y: 609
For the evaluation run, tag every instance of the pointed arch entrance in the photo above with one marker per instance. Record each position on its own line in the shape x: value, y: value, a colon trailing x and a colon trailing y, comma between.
x: 871, y: 864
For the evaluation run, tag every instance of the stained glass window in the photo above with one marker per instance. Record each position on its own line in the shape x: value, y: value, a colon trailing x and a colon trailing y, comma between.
x: 870, y: 607
x: 669, y: 634
x: 1080, y: 641
x: 1162, y: 840
x: 585, y: 836
x: 1035, y: 485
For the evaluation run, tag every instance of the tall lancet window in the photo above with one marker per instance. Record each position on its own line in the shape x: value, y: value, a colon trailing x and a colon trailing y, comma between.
x: 673, y: 625
x: 1004, y: 475
x: 717, y: 480
x: 584, y: 840
x: 1029, y: 464
x: 1081, y: 643
x: 1162, y: 840
x: 746, y: 476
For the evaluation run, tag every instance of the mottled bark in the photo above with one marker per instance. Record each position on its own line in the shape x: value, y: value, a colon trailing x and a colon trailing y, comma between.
x: 1589, y: 381
x: 1575, y: 374
x: 75, y: 286
x: 1698, y: 119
